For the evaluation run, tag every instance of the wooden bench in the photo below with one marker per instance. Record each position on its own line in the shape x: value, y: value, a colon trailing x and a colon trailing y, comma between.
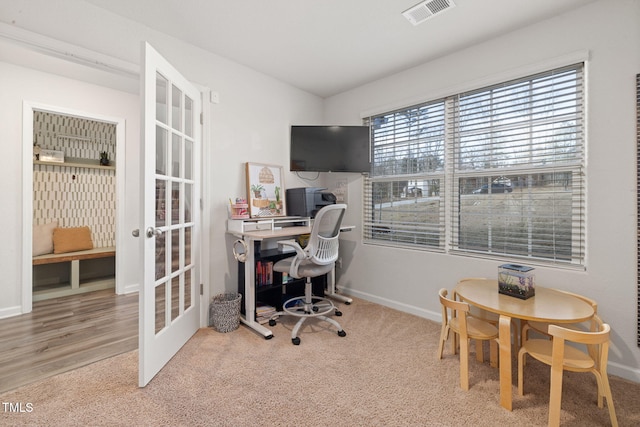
x: 75, y: 285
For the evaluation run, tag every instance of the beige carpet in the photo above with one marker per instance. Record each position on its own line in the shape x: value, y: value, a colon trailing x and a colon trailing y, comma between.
x: 383, y: 373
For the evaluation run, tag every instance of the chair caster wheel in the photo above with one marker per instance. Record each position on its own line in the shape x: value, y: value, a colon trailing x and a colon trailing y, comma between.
x: 342, y: 334
x: 268, y: 337
x: 272, y: 322
x: 347, y: 302
x: 338, y: 313
x: 295, y: 341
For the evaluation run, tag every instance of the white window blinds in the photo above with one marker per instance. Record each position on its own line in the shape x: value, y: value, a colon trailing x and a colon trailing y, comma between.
x: 503, y: 164
x: 402, y: 196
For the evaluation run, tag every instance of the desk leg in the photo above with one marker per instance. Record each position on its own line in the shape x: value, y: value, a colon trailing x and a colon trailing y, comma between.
x: 249, y: 317
x: 505, y: 361
x: 331, y: 288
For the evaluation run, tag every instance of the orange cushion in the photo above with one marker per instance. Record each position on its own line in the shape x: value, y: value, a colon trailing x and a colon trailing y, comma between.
x: 71, y: 239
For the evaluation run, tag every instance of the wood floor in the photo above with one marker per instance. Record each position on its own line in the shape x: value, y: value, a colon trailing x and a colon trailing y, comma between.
x: 62, y: 334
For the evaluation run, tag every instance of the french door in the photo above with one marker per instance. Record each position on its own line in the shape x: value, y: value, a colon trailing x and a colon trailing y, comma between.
x: 171, y: 139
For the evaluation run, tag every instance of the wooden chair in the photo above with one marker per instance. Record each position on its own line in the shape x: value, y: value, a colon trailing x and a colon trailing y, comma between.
x: 487, y: 316
x: 466, y: 327
x: 560, y: 356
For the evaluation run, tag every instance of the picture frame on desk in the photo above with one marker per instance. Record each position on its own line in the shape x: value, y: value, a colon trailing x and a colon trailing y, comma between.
x: 265, y: 190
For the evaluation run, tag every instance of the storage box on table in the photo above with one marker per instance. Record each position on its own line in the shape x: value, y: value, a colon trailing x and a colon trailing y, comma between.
x: 516, y: 281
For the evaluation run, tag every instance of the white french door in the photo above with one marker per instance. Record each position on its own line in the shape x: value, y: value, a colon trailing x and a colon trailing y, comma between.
x: 169, y: 295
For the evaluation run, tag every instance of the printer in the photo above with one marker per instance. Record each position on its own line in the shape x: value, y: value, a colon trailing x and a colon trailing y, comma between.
x: 307, y: 201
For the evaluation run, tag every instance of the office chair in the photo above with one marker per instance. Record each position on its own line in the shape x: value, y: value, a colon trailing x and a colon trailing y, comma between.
x: 316, y: 259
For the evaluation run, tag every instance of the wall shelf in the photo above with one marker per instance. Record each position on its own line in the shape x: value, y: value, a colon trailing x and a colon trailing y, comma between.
x: 76, y: 163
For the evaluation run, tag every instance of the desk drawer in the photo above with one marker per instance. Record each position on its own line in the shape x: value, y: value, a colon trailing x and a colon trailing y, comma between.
x: 258, y: 226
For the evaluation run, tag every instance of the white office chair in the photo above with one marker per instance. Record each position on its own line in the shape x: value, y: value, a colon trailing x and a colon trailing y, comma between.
x: 316, y: 259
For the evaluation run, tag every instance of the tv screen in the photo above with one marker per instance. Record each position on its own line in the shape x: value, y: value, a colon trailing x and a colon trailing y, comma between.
x: 330, y: 149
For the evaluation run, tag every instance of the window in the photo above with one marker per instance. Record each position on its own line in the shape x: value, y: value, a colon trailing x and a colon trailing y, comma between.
x: 498, y: 171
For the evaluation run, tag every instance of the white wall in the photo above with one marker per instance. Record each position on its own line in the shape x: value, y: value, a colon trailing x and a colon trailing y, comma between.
x: 250, y: 124
x: 610, y: 31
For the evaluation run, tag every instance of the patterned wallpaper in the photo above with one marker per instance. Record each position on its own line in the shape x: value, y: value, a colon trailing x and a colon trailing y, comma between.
x: 75, y: 196
x: 76, y: 137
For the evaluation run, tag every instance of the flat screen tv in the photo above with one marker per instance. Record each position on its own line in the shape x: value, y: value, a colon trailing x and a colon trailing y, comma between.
x: 330, y: 149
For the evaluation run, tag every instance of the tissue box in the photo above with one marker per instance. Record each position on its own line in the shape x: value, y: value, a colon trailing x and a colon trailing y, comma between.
x: 516, y: 281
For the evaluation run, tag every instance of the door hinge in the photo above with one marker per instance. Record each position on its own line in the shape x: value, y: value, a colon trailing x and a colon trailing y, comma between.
x: 201, y: 289
x: 201, y: 118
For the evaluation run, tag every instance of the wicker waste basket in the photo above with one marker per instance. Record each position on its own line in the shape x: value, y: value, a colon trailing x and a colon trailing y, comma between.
x: 224, y: 312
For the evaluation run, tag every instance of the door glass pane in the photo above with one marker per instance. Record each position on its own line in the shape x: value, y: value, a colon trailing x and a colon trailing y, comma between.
x: 188, y: 116
x: 161, y: 259
x: 162, y: 86
x: 188, y: 159
x: 188, y: 196
x: 175, y: 155
x: 161, y: 203
x: 175, y: 203
x: 188, y: 286
x: 175, y: 250
x: 161, y: 151
x: 160, y: 307
x: 175, y: 297
x: 176, y: 108
x: 187, y: 246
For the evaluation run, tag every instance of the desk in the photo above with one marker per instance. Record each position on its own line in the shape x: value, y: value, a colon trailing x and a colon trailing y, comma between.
x: 548, y: 305
x: 250, y: 238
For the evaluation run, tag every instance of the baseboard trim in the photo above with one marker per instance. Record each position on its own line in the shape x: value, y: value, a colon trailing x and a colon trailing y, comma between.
x: 10, y: 311
x: 411, y: 309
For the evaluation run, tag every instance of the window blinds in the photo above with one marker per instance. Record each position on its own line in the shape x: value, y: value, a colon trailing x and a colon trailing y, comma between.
x: 498, y: 171
x: 517, y: 157
x: 403, y: 203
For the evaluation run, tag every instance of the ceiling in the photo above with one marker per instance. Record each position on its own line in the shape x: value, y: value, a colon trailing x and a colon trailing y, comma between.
x: 326, y: 47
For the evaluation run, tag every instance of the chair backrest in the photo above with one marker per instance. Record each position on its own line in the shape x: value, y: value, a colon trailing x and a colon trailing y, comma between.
x: 323, y: 244
x: 596, y: 341
x: 455, y: 307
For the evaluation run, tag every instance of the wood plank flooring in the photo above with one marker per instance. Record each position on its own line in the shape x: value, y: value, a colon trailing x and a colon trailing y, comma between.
x: 65, y: 333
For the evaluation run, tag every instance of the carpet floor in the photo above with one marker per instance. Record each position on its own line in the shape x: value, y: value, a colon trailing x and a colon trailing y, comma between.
x: 385, y: 372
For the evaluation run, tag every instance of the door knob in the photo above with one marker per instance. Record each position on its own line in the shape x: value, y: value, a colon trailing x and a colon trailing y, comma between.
x: 153, y: 232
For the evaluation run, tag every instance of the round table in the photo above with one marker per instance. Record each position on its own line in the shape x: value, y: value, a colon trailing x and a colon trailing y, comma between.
x: 548, y: 305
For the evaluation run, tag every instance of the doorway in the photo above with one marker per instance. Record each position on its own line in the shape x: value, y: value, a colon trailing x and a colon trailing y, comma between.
x: 74, y: 196
x: 60, y: 140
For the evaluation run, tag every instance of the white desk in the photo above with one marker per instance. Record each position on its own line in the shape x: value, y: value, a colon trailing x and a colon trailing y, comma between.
x: 250, y: 238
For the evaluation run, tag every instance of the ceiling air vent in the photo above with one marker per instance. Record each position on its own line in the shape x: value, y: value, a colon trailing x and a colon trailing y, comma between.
x: 427, y: 9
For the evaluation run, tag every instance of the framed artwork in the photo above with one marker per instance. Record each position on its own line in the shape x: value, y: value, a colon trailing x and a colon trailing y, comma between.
x: 265, y: 190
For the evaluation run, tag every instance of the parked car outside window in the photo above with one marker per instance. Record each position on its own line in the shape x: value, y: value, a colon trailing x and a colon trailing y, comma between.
x: 499, y: 185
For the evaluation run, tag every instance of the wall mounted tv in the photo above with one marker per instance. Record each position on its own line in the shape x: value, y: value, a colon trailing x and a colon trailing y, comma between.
x: 330, y: 149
